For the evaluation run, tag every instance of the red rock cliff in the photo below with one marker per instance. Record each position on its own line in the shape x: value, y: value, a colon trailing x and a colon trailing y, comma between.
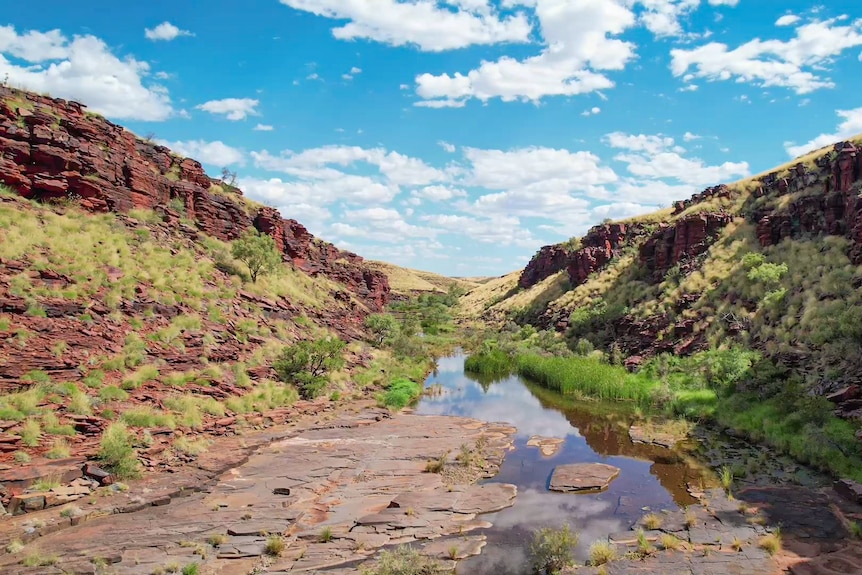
x: 682, y: 241
x: 52, y: 149
x: 601, y: 244
x: 547, y: 261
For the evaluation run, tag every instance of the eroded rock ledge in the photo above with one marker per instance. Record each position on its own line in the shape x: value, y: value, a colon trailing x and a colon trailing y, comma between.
x: 337, y: 492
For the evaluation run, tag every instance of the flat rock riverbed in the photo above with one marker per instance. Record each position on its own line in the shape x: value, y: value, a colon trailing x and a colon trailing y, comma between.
x: 336, y: 493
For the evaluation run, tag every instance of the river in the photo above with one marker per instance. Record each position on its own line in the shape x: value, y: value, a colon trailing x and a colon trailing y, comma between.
x: 651, y: 478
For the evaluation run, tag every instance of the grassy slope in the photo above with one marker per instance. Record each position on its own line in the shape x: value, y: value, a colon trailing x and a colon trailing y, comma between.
x: 154, y: 323
x: 816, y: 318
x: 406, y: 281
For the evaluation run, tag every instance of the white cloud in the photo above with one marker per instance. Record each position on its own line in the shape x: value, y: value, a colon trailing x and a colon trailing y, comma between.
x: 639, y: 143
x: 689, y: 137
x: 592, y: 111
x: 213, y: 153
x: 398, y: 168
x: 420, y: 23
x: 165, y: 32
x: 438, y: 193
x: 851, y: 126
x: 685, y: 170
x: 523, y: 167
x: 577, y: 47
x: 787, y: 20
x: 534, y: 182
x: 321, y: 191
x: 231, y: 108
x: 263, y: 128
x: 498, y: 229
x: 382, y: 225
x: 447, y: 147
x: 796, y: 64
x: 445, y: 103
x: 83, y: 69
x: 355, y: 70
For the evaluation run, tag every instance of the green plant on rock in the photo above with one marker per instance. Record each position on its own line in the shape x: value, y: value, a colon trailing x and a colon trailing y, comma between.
x: 307, y: 363
x: 403, y: 560
x: 602, y: 552
x: 257, y: 251
x: 117, y: 453
x: 552, y: 550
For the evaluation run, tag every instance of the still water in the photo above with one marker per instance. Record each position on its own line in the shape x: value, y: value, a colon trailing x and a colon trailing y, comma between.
x: 651, y: 478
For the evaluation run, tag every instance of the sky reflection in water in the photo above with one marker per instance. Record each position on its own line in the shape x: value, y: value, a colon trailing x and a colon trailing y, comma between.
x: 650, y: 477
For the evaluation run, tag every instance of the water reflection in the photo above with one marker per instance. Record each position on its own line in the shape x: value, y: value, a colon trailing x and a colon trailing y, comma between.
x: 651, y: 477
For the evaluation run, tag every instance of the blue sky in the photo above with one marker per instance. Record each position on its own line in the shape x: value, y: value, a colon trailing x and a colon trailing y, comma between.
x: 457, y: 136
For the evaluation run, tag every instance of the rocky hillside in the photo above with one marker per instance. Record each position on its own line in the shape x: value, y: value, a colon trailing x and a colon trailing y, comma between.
x: 120, y: 299
x: 52, y: 150
x: 771, y: 263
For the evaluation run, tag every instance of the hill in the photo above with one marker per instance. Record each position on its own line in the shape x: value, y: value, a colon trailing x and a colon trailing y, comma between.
x: 406, y: 281
x: 122, y: 302
x: 771, y: 263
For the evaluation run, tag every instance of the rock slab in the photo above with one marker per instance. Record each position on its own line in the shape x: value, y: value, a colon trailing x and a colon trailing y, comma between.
x: 583, y: 477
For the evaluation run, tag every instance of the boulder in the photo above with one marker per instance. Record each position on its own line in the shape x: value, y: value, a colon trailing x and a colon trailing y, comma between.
x: 849, y: 490
x: 583, y: 477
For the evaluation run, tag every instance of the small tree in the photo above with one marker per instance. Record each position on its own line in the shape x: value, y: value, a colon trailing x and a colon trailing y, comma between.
x: 307, y: 363
x: 382, y: 327
x: 257, y: 251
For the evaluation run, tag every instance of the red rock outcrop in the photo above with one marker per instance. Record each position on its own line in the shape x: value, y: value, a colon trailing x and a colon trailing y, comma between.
x: 601, y: 244
x: 720, y: 191
x: 52, y: 149
x: 835, y: 211
x: 547, y: 261
x: 681, y: 241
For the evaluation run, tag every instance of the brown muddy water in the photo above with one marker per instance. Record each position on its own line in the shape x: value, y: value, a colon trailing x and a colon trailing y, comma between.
x: 651, y: 478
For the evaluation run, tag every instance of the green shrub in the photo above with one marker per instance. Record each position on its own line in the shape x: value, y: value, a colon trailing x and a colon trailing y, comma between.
x: 257, y: 251
x: 94, y: 378
x: 494, y: 362
x: 383, y: 327
x: 112, y: 393
x: 403, y: 560
x: 306, y: 364
x: 140, y: 376
x: 552, y: 549
x: 147, y: 417
x: 116, y: 451
x: 401, y: 393
x: 59, y: 449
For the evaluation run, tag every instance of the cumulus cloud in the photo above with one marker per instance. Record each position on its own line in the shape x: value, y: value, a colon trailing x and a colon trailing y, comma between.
x: 83, y: 69
x: 165, y: 32
x: 787, y: 20
x: 233, y: 109
x: 215, y: 153
x: 420, y: 23
x: 263, y: 128
x: 578, y: 46
x: 850, y: 126
x: 398, y: 169
x: 686, y: 170
x: 638, y: 143
x: 796, y: 64
x: 438, y: 193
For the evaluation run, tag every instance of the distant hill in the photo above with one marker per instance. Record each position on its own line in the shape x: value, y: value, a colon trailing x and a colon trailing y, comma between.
x: 409, y: 281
